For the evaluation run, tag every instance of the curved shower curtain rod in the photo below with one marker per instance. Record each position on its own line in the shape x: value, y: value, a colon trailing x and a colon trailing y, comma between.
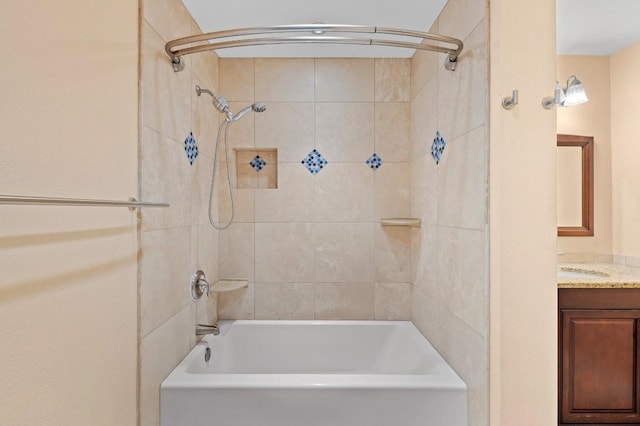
x: 219, y: 40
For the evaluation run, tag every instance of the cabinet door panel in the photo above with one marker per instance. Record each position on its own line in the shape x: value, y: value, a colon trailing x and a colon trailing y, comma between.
x: 599, y: 366
x: 602, y: 359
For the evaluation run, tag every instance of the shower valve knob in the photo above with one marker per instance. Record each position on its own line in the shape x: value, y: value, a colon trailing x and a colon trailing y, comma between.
x: 199, y: 285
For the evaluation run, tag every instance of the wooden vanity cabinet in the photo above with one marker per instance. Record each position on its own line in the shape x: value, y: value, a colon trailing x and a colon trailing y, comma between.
x: 598, y: 359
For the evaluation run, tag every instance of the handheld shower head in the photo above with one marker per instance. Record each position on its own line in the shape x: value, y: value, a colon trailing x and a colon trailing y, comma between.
x: 257, y: 107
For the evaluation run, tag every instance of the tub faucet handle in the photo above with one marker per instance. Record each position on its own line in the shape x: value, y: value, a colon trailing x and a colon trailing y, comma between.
x: 199, y: 285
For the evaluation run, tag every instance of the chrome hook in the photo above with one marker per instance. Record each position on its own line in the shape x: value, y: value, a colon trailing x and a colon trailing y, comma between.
x: 508, y: 103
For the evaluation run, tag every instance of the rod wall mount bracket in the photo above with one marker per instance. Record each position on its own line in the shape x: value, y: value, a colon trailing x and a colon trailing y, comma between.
x: 450, y: 64
x: 177, y: 64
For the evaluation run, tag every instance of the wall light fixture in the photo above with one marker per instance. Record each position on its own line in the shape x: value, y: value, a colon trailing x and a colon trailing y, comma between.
x: 573, y: 94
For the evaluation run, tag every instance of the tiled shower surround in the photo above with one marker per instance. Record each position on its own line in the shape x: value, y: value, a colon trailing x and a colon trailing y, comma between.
x: 174, y: 242
x: 313, y: 248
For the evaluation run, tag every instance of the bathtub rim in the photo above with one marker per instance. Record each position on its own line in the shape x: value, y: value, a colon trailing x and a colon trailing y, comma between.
x: 446, y: 379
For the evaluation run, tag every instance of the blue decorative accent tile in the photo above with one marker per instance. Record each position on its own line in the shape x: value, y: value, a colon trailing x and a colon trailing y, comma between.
x: 374, y: 162
x: 257, y: 163
x: 190, y: 148
x: 314, y: 162
x: 437, y: 147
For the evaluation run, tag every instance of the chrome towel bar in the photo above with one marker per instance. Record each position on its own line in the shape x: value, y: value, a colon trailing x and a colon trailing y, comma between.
x: 132, y: 203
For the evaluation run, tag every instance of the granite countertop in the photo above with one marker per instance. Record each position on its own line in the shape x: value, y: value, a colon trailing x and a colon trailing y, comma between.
x: 604, y: 275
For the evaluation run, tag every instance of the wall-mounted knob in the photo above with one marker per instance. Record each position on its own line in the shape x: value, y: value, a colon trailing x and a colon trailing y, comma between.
x: 199, y: 285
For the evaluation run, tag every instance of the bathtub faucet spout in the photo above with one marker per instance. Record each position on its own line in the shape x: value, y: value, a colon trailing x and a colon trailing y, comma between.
x: 202, y: 329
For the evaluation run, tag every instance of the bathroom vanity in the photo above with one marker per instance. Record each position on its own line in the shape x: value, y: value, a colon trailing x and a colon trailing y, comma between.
x: 598, y: 345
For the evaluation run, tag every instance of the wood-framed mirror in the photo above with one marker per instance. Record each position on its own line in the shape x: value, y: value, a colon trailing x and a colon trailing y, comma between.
x: 575, y: 186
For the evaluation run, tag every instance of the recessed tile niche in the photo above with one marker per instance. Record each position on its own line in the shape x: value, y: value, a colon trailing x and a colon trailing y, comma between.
x: 257, y: 168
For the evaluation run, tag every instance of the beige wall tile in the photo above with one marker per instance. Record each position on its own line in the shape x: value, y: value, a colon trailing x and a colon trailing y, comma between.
x: 237, y: 251
x: 424, y: 193
x: 424, y: 258
x: 393, y: 131
x: 424, y: 66
x: 241, y: 133
x: 160, y: 155
x: 392, y: 190
x: 467, y: 352
x: 392, y: 254
x: 164, y: 275
x: 345, y: 131
x: 460, y: 17
x: 292, y: 201
x: 463, y: 181
x: 462, y: 275
x: 243, y: 198
x: 424, y: 123
x: 237, y: 304
x: 344, y: 193
x: 287, y: 301
x: 284, y: 252
x: 160, y: 352
x: 344, y: 252
x: 199, y: 188
x: 284, y: 80
x: 425, y: 315
x: 204, y: 119
x: 170, y: 19
x: 204, y: 256
x: 205, y: 67
x: 344, y: 80
x: 289, y: 127
x: 463, y: 94
x: 237, y: 79
x: 393, y: 301
x: 353, y: 301
x: 166, y: 95
x: 392, y: 80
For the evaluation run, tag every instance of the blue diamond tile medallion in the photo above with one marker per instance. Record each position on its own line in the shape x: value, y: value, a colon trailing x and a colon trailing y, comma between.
x: 314, y: 162
x: 257, y: 163
x: 374, y: 162
x: 190, y: 148
x: 437, y: 147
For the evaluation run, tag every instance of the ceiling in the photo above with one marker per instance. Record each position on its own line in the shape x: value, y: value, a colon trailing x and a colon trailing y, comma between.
x: 406, y: 14
x: 584, y: 27
x: 596, y: 27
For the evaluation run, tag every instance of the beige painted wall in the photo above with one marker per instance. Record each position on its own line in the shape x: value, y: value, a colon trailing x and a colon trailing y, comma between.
x: 450, y: 259
x: 523, y: 216
x: 590, y: 119
x: 178, y: 240
x: 68, y: 282
x: 625, y: 128
x: 313, y: 247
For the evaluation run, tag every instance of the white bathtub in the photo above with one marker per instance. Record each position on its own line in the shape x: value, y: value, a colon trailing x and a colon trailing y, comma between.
x: 314, y: 373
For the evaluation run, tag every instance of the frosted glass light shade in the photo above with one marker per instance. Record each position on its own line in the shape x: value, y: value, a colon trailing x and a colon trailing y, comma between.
x: 575, y: 94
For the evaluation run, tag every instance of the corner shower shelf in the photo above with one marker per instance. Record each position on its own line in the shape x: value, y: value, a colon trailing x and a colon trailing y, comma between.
x: 400, y: 221
x: 229, y: 285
